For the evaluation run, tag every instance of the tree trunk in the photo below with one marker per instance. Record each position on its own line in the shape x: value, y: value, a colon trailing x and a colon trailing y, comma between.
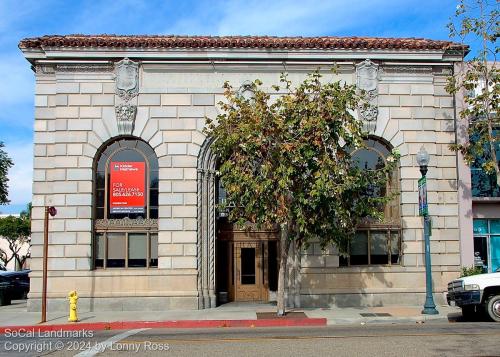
x: 296, y: 278
x: 284, y: 249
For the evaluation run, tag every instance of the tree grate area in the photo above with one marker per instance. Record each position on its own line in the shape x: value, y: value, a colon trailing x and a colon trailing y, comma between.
x: 288, y: 315
x: 375, y: 314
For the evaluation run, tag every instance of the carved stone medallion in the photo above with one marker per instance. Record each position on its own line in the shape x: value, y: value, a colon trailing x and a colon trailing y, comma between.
x: 367, y: 80
x: 127, y: 88
x: 127, y: 79
x: 367, y: 72
x: 246, y: 90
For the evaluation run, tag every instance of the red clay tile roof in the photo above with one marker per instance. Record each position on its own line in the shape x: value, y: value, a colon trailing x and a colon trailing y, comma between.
x: 269, y: 42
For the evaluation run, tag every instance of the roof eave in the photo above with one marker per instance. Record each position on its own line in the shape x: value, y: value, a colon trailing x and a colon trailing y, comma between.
x: 61, y: 53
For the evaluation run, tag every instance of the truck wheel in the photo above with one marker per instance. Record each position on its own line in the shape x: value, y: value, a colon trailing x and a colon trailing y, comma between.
x: 4, y: 299
x: 493, y: 307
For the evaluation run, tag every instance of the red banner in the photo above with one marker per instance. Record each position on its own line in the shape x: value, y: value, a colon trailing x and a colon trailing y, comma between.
x: 127, y: 186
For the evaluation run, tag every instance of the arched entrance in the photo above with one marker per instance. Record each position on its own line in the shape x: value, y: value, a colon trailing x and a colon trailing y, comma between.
x: 233, y: 265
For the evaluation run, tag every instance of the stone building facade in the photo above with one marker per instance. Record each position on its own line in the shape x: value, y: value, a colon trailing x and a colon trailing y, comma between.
x: 102, y: 101
x: 479, y: 194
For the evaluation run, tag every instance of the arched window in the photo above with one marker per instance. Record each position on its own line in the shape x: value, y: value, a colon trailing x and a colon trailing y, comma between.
x: 377, y: 242
x: 126, y: 205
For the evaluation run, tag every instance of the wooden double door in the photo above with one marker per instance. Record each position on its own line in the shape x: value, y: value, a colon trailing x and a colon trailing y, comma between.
x: 247, y: 265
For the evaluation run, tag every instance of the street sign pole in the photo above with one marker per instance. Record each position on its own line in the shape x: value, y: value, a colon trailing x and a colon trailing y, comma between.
x: 52, y: 211
x: 423, y: 210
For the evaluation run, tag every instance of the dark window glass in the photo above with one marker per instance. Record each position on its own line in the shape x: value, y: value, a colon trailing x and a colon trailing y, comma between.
x: 273, y: 265
x: 153, y: 261
x: 483, y: 184
x: 153, y: 200
x: 395, y: 247
x: 126, y: 151
x: 100, y: 177
x: 368, y: 159
x: 99, y: 212
x: 374, y: 244
x: 153, y: 212
x: 119, y: 249
x: 154, y: 179
x: 247, y: 265
x: 137, y: 250
x: 100, y: 198
x: 100, y: 250
x: 101, y: 165
x: 378, y: 247
x: 116, y: 250
x: 343, y: 261
x: 359, y: 249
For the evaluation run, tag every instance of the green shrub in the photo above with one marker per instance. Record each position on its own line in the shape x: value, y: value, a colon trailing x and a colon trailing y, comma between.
x: 468, y: 271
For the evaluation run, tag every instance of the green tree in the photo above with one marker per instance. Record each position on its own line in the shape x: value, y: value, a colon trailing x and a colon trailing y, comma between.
x: 5, y: 164
x: 478, y: 20
x: 16, y: 231
x: 286, y: 162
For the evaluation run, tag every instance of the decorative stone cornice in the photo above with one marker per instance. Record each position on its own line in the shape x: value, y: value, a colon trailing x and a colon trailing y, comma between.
x: 44, y: 69
x: 97, y: 68
x: 407, y: 70
x: 124, y: 223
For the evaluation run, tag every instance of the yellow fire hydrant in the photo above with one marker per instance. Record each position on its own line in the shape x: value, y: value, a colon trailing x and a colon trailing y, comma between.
x: 73, y: 298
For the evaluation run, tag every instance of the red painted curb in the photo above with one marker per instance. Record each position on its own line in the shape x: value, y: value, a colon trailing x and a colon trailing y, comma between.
x: 127, y: 325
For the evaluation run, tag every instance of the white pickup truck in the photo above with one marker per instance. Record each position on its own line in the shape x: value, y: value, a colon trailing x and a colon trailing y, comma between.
x: 474, y: 292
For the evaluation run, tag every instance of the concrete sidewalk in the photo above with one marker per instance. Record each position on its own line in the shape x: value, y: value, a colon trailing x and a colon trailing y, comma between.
x: 16, y: 314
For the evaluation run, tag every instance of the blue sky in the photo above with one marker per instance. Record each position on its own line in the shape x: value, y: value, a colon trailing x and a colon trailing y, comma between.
x: 30, y: 18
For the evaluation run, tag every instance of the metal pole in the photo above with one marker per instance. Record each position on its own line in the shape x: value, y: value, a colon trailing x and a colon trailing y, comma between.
x: 45, y: 255
x: 429, y: 306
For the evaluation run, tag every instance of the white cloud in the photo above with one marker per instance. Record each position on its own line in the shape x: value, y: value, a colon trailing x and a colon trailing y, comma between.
x: 310, y: 17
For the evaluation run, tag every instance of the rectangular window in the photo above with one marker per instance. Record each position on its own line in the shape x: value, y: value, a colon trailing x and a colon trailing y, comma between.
x: 100, y: 250
x: 395, y: 247
x: 153, y: 260
x: 374, y: 247
x: 137, y: 250
x: 248, y: 266
x: 483, y: 184
x: 359, y: 249
x: 378, y: 248
x: 487, y: 244
x: 116, y: 250
x: 126, y: 250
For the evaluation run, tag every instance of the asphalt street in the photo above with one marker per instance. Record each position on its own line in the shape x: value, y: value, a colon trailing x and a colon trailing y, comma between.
x: 398, y: 339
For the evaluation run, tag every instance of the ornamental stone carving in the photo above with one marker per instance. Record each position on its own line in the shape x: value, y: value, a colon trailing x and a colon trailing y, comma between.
x: 246, y: 90
x: 127, y: 79
x: 367, y: 80
x: 127, y: 89
x: 85, y: 68
x: 104, y: 224
x: 125, y: 117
